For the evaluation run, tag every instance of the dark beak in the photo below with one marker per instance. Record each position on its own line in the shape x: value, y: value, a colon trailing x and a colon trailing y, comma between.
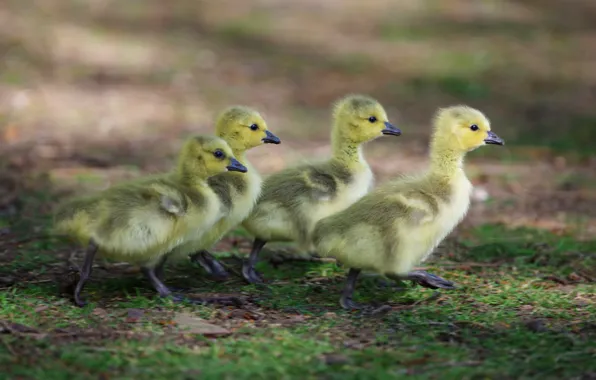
x: 270, y: 138
x: 236, y: 166
x: 391, y: 130
x: 494, y: 139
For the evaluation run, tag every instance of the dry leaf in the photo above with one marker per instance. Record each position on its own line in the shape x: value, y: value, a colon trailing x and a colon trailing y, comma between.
x: 195, y: 325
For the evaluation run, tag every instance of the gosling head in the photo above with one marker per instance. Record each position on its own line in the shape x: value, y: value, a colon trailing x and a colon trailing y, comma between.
x: 360, y: 118
x: 464, y: 129
x: 206, y: 156
x: 243, y: 128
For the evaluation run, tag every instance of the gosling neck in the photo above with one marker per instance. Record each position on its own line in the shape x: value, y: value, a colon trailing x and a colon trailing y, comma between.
x: 347, y: 151
x: 445, y: 161
x: 238, y: 148
x: 191, y: 178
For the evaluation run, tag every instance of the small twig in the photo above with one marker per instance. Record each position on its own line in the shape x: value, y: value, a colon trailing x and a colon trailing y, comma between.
x: 39, y: 281
x: 587, y: 276
x: 556, y: 279
x: 6, y: 327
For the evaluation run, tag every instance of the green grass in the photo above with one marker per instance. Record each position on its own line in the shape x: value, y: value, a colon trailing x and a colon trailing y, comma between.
x: 255, y: 24
x: 576, y: 139
x: 508, y: 319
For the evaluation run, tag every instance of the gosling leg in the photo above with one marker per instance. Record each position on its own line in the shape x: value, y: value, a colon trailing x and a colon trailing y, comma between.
x: 210, y: 264
x: 348, y: 303
x: 85, y: 273
x: 429, y: 280
x: 152, y: 276
x: 248, y: 268
x: 164, y: 292
x: 346, y: 300
x: 159, y: 268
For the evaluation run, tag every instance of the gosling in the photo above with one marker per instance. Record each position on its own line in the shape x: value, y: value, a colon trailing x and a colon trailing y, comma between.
x: 141, y: 221
x: 399, y: 224
x: 294, y: 199
x: 242, y: 128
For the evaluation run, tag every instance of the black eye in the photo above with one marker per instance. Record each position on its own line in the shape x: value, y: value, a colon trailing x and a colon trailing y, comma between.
x: 254, y: 127
x: 372, y: 119
x: 474, y: 127
x: 219, y: 154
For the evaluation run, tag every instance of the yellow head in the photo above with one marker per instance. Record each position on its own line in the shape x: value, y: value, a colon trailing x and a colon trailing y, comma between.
x: 359, y: 118
x: 243, y: 128
x: 463, y: 129
x: 206, y: 156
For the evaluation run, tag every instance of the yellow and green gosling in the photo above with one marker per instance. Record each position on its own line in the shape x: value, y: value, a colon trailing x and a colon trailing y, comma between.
x: 242, y: 128
x: 141, y: 221
x: 399, y: 224
x: 294, y: 199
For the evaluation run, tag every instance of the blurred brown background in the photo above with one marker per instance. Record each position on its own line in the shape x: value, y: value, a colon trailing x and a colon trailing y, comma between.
x: 95, y: 91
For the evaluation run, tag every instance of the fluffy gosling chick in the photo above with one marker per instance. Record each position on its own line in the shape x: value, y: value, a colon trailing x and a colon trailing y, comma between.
x: 294, y: 199
x: 242, y: 128
x: 399, y: 224
x: 141, y: 221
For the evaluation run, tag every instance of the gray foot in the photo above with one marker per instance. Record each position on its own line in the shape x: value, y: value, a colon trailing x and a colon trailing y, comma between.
x: 429, y: 280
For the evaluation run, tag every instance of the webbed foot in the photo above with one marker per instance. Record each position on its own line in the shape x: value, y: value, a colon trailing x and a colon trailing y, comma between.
x: 248, y: 268
x: 346, y: 301
x: 429, y: 280
x: 78, y: 301
x: 165, y: 292
x: 349, y: 304
x: 251, y: 275
x: 210, y: 264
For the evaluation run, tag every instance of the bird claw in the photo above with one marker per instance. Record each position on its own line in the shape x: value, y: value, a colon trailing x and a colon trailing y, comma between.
x: 349, y: 304
x: 429, y: 280
x: 251, y: 275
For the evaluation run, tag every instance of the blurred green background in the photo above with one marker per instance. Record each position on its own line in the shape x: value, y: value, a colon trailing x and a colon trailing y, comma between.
x: 94, y: 91
x: 101, y: 69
